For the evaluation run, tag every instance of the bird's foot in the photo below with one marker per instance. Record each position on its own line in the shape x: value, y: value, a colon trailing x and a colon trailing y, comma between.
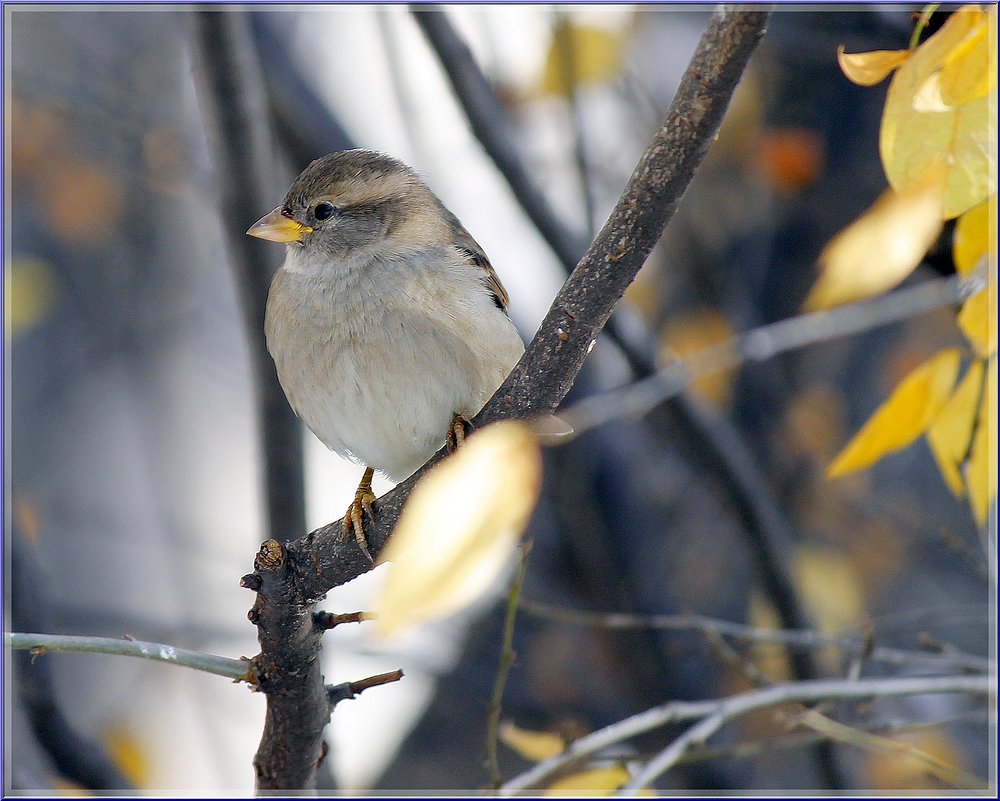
x: 354, y: 517
x: 459, y: 429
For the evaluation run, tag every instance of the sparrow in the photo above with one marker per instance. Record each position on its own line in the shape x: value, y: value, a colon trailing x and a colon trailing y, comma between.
x: 387, y: 323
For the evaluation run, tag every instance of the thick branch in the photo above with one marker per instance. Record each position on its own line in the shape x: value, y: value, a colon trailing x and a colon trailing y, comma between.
x: 291, y: 578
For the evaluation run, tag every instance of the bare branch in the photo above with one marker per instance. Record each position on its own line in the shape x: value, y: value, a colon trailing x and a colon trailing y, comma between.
x: 235, y: 669
x: 715, y: 713
x: 869, y: 741
x: 765, y: 343
x: 790, y: 638
x: 336, y: 693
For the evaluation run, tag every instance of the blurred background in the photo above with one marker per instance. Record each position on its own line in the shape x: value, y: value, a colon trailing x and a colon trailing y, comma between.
x: 142, y: 141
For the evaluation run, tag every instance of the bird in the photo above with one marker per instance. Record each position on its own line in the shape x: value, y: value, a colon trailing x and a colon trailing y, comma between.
x: 387, y: 324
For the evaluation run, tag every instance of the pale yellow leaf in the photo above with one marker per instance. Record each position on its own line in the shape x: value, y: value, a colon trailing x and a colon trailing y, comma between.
x: 949, y: 434
x: 770, y: 659
x: 880, y: 248
x: 906, y: 414
x: 868, y: 69
x: 978, y: 320
x: 533, y: 745
x: 831, y: 588
x: 128, y: 752
x: 598, y: 781
x: 970, y: 69
x: 686, y: 334
x: 921, y: 132
x: 982, y: 477
x: 975, y: 236
x: 581, y: 54
x: 33, y: 289
x: 459, y: 527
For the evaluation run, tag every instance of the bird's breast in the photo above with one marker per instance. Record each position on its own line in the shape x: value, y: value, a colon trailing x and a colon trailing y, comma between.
x: 377, y: 364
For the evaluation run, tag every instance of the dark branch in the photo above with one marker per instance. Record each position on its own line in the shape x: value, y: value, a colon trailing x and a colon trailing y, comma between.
x: 492, y: 128
x: 295, y: 576
x: 335, y: 693
x: 236, y: 114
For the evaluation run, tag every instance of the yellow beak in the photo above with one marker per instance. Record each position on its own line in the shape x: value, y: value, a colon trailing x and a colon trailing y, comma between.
x: 277, y: 226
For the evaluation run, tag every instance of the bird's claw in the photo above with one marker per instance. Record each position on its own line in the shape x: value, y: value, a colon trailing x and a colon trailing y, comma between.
x: 354, y: 517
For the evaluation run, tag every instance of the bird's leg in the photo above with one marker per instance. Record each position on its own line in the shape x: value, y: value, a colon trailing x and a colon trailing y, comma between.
x: 353, y: 519
x: 456, y: 432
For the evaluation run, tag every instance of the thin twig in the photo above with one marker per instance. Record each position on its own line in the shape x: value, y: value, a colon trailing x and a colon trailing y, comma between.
x: 761, y: 344
x: 801, y: 639
x: 869, y: 741
x: 564, y: 44
x: 507, y: 657
x: 738, y: 705
x: 236, y: 669
x: 335, y: 693
x: 330, y: 620
x: 714, y: 713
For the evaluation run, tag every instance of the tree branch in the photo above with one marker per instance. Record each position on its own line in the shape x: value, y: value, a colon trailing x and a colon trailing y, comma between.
x: 237, y: 118
x: 292, y: 577
x: 793, y: 639
x: 235, y: 669
x: 491, y: 127
x: 714, y: 713
x: 765, y: 343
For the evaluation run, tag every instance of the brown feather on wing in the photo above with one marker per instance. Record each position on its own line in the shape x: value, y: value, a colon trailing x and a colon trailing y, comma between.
x: 470, y: 248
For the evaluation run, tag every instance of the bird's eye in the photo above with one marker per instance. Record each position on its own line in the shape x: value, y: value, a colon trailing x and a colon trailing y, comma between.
x: 323, y: 211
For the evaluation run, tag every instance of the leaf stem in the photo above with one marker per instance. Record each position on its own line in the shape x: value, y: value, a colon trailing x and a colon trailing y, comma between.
x: 922, y: 21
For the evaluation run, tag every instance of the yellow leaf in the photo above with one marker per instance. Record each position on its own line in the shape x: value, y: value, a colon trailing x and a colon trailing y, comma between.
x: 128, y: 754
x: 948, y: 436
x: 982, y: 475
x: 970, y: 70
x: 533, y: 745
x: 831, y: 588
x: 979, y: 322
x: 906, y: 415
x: 771, y: 659
x: 868, y: 69
x: 581, y: 54
x: 975, y: 236
x: 33, y: 289
x: 880, y: 248
x: 920, y: 132
x: 910, y: 767
x: 460, y: 526
x: 689, y: 333
x: 599, y: 781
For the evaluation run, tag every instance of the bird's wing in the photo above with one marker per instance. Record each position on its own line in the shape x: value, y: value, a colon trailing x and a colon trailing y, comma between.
x: 470, y: 248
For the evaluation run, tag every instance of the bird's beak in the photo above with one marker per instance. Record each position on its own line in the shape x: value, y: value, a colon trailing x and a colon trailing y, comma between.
x: 278, y: 227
